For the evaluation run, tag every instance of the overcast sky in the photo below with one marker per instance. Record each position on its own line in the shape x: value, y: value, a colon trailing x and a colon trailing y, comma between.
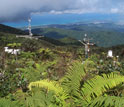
x: 17, y: 10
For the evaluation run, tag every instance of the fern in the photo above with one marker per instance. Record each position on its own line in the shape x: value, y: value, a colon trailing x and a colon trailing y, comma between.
x: 50, y: 86
x: 41, y: 99
x: 89, y: 65
x: 8, y: 103
x: 100, y: 84
x: 107, y: 101
x: 71, y: 81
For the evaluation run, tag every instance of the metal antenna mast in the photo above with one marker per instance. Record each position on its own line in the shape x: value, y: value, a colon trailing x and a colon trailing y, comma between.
x: 87, y: 44
x: 29, y: 27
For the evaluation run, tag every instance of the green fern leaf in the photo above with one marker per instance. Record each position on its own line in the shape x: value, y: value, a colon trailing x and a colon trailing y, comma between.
x: 108, y: 101
x: 100, y: 84
x: 71, y: 81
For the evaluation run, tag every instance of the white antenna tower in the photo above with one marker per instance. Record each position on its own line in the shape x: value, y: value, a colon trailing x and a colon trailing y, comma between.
x: 29, y: 27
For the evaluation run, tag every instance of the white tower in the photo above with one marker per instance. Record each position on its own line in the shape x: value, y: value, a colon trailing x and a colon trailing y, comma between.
x: 29, y: 27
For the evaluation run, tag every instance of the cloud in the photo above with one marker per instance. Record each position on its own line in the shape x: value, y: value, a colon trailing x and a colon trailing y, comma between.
x: 16, y: 10
x: 114, y: 10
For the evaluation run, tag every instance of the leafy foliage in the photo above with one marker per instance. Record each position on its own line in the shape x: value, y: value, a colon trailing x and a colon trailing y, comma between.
x: 59, y: 92
x: 71, y: 81
x: 7, y: 103
x: 107, y: 101
x: 100, y: 84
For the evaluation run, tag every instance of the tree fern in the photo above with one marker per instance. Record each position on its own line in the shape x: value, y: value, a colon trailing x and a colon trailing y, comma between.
x: 100, y: 84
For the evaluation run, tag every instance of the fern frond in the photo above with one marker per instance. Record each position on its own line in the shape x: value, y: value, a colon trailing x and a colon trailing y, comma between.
x: 50, y: 85
x: 100, y: 84
x: 71, y: 81
x: 40, y: 99
x: 89, y: 65
x: 53, y: 86
x: 8, y: 103
x: 108, y: 101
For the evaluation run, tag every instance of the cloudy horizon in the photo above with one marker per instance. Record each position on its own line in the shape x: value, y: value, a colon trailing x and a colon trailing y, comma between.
x: 20, y: 10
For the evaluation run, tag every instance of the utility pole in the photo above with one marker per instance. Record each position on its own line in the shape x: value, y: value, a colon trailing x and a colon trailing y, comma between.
x: 87, y: 44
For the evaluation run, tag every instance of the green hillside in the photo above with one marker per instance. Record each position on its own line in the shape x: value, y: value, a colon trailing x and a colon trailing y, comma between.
x: 70, y: 41
x: 101, y: 38
x: 8, y: 29
x: 8, y: 35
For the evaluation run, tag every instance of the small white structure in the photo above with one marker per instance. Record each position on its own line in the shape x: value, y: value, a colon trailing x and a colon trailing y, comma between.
x: 12, y: 51
x: 110, y: 54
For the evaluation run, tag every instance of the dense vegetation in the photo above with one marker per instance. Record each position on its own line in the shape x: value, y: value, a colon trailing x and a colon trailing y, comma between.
x: 46, y: 74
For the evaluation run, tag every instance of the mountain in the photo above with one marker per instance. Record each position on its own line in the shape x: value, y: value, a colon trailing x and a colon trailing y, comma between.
x: 11, y: 30
x: 103, y: 34
x: 92, y: 26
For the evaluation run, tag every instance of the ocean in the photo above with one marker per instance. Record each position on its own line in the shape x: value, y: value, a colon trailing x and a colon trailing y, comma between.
x: 46, y: 19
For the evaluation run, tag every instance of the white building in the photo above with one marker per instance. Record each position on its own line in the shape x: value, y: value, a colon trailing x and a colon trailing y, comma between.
x: 12, y: 51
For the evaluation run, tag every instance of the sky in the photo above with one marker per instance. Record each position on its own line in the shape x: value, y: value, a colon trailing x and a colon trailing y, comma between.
x: 16, y: 12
